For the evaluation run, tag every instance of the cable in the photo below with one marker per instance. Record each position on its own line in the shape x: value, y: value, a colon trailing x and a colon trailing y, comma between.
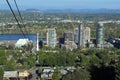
x: 21, y: 18
x: 15, y: 18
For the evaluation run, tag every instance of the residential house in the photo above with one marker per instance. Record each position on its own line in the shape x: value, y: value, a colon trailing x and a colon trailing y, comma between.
x: 10, y: 75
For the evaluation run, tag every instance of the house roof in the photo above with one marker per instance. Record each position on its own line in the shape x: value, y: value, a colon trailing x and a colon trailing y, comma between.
x: 46, y: 75
x: 10, y: 74
x: 47, y: 69
x: 23, y: 73
x: 63, y: 72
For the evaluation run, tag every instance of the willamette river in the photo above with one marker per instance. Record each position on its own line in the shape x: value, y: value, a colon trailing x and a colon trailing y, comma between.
x: 10, y: 37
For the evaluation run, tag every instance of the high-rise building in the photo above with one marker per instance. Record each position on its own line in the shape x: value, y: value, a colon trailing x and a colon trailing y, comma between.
x: 99, y: 35
x: 51, y: 37
x: 86, y: 34
x: 82, y: 35
x: 69, y: 40
x: 76, y: 35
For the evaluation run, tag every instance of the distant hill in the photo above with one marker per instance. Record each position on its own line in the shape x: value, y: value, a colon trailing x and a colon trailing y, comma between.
x: 89, y: 11
x: 85, y: 10
x: 33, y: 10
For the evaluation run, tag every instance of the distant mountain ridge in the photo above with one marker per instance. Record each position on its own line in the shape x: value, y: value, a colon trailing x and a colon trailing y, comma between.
x: 87, y: 10
x: 32, y: 10
x: 102, y: 10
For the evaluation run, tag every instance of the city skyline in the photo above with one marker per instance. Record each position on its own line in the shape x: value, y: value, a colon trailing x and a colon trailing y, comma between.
x: 63, y: 4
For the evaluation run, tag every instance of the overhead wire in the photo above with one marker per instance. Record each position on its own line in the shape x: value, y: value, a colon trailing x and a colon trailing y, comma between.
x: 21, y: 18
x: 15, y: 18
x: 18, y: 22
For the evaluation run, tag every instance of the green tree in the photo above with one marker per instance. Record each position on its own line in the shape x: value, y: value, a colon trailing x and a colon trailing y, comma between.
x: 94, y: 60
x: 61, y: 60
x: 79, y: 74
x: 56, y: 75
x: 117, y: 71
x: 10, y: 66
x: 1, y: 73
x: 84, y: 60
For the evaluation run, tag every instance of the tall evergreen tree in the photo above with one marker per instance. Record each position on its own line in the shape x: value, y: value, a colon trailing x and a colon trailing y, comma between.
x: 1, y: 73
x: 117, y: 70
x: 56, y: 75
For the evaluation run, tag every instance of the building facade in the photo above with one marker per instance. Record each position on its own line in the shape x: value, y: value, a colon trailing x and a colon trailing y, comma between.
x: 86, y: 34
x: 100, y: 35
x: 82, y: 35
x: 69, y: 40
x: 51, y: 37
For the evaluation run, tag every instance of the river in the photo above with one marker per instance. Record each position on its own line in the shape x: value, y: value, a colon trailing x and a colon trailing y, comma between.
x: 10, y: 37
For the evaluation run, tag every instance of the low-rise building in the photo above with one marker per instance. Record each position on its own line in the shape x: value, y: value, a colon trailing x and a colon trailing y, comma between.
x: 47, y: 73
x: 10, y: 75
x: 23, y: 74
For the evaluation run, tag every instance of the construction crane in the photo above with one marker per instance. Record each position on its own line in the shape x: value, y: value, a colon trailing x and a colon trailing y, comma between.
x: 72, y: 23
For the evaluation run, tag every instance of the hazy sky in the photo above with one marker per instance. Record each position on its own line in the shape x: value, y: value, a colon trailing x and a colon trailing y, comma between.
x: 63, y: 4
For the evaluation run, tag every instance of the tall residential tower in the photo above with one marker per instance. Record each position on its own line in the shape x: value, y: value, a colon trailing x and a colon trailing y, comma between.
x: 100, y: 35
x: 51, y: 37
x: 82, y: 35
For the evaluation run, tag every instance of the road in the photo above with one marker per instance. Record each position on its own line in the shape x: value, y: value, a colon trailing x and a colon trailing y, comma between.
x: 33, y: 72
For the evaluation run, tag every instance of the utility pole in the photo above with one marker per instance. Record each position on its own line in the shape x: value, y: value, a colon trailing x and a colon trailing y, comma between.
x: 37, y: 64
x: 37, y: 42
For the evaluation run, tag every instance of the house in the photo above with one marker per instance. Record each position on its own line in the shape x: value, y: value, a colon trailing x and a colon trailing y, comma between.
x: 47, y: 69
x: 10, y: 75
x: 47, y: 73
x: 23, y: 74
x: 63, y: 72
x: 17, y: 75
x: 72, y: 68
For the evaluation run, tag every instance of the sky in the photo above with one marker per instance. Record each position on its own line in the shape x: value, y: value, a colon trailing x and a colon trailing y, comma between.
x: 62, y: 4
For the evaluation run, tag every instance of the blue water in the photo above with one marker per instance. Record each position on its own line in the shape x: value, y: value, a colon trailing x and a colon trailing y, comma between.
x: 10, y: 37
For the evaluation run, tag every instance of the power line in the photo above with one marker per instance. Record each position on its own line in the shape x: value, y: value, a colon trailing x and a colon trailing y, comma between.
x: 21, y: 18
x: 15, y: 18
